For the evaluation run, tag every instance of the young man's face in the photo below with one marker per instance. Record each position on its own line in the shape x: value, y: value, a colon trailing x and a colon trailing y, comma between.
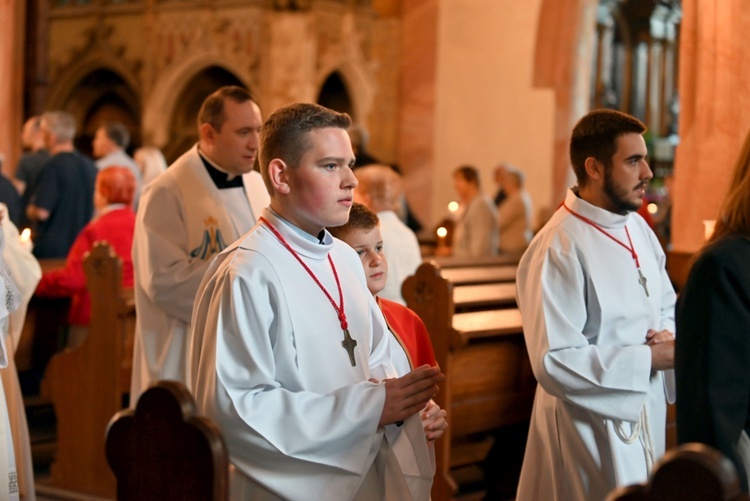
x: 369, y: 247
x: 321, y: 187
x: 235, y: 146
x: 625, y: 183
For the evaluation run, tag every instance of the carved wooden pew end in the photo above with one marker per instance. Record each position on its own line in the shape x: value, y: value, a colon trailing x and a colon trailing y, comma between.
x: 163, y: 450
x: 692, y: 472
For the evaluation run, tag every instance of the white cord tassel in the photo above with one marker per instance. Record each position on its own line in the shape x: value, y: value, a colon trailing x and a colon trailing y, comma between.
x: 641, y: 430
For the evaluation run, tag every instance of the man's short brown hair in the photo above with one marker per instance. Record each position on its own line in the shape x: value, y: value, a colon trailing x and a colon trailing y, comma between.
x: 469, y: 173
x: 360, y: 218
x: 595, y: 135
x: 285, y: 133
x: 212, y: 109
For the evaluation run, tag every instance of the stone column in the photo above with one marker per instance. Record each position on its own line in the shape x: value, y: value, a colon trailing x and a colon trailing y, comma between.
x: 715, y: 112
x: 288, y: 60
x: 12, y: 22
x: 418, y: 68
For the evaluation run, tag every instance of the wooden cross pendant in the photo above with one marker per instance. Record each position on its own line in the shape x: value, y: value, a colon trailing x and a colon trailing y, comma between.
x: 642, y: 280
x: 349, y: 344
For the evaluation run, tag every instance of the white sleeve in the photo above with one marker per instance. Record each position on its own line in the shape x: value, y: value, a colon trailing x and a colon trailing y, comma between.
x: 610, y: 380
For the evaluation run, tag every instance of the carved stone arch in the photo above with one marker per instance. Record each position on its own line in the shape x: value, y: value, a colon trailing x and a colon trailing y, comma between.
x: 96, y: 90
x: 67, y: 81
x: 162, y: 101
x: 360, y: 84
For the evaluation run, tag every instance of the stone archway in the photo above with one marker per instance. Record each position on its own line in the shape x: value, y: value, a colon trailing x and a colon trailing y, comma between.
x: 162, y: 103
x: 96, y: 93
x: 358, y: 83
x: 334, y: 94
x: 183, y: 129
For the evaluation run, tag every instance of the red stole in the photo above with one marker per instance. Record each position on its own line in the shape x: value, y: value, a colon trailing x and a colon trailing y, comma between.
x: 410, y: 332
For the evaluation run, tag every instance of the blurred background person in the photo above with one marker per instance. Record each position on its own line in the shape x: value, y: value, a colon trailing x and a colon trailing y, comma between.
x: 115, y: 221
x: 109, y: 145
x: 151, y: 163
x: 10, y: 197
x: 360, y: 138
x: 712, y: 352
x: 499, y: 180
x: 63, y: 200
x: 380, y: 190
x: 476, y: 229
x: 514, y: 213
x: 32, y: 161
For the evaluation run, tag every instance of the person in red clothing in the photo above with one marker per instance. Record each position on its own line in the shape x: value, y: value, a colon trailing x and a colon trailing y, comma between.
x: 114, y: 222
x: 362, y: 233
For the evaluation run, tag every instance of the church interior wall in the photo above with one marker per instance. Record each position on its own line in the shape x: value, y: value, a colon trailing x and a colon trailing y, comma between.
x: 437, y: 82
x: 487, y: 109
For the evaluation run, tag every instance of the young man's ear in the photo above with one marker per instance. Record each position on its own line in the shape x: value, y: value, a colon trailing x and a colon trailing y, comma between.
x: 594, y: 169
x: 278, y: 173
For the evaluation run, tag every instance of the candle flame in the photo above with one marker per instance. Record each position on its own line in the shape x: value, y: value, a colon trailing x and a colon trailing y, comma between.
x: 26, y: 235
x: 441, y: 232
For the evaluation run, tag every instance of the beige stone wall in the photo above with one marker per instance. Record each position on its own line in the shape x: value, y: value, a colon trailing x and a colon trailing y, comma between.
x: 715, y: 112
x: 484, y: 108
x: 282, y: 56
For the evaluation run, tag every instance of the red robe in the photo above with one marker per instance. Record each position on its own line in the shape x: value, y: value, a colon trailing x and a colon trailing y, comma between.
x: 116, y: 227
x: 410, y: 332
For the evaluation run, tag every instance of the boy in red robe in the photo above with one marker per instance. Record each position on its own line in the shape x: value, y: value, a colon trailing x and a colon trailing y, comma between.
x: 362, y: 233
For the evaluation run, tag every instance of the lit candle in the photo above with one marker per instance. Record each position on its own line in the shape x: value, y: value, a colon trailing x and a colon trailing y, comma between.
x: 441, y: 233
x: 452, y: 208
x: 25, y: 239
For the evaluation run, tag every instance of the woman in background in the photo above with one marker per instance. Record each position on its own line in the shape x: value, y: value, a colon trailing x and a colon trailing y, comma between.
x: 712, y: 352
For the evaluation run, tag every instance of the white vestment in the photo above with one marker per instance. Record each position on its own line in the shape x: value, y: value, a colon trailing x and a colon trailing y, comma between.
x: 181, y: 224
x: 401, y: 250
x: 585, y: 319
x: 25, y: 272
x: 269, y: 367
x: 9, y: 301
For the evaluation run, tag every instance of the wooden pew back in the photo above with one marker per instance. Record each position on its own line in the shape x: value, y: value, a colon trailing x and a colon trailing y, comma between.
x: 692, y: 472
x: 164, y: 450
x: 489, y: 382
x: 86, y: 384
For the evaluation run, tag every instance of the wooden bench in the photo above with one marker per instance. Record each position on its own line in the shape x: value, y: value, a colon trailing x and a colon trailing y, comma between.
x: 480, y: 274
x: 164, y: 450
x: 86, y: 384
x: 489, y: 382
x: 692, y: 472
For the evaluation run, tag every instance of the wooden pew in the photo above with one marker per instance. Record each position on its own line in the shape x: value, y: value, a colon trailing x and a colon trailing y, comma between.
x: 692, y: 472
x: 475, y: 275
x: 164, y: 450
x: 489, y: 382
x: 86, y: 384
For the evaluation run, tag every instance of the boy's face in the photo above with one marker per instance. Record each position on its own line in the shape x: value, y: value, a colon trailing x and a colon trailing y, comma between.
x: 369, y: 247
x: 321, y: 187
